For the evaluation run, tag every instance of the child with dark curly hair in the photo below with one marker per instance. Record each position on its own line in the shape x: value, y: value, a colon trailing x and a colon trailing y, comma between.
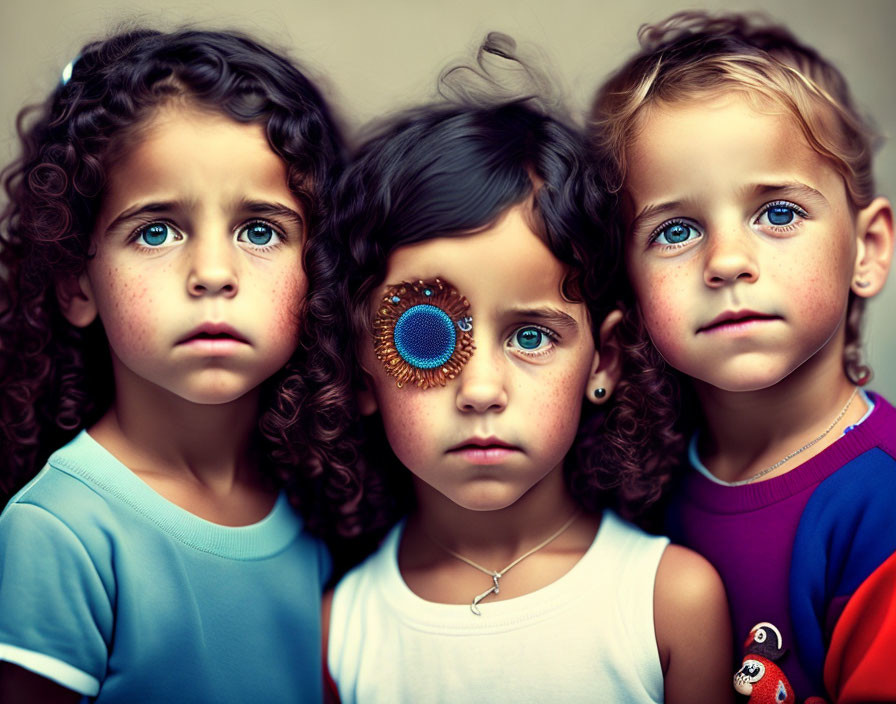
x: 752, y: 237
x: 480, y: 293
x: 150, y: 314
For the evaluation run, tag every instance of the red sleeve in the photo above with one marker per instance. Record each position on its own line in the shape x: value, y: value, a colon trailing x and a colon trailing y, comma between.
x: 859, y: 666
x: 331, y: 691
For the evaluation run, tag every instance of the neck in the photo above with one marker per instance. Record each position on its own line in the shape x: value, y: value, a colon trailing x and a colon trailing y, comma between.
x: 495, y: 535
x: 523, y: 541
x: 156, y: 433
x: 748, y: 432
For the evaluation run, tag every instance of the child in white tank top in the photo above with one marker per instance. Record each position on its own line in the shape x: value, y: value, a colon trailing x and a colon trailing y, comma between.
x: 480, y: 309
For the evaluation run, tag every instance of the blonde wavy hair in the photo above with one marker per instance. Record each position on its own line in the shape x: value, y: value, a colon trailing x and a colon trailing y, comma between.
x: 694, y: 55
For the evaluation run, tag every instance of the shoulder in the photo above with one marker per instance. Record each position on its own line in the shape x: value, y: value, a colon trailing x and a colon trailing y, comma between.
x: 686, y: 583
x: 689, y: 598
x: 63, y: 486
x: 364, y: 583
x: 693, y: 627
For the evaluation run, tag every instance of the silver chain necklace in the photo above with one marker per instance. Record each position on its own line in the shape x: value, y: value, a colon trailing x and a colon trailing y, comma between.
x: 496, y: 575
x: 809, y: 444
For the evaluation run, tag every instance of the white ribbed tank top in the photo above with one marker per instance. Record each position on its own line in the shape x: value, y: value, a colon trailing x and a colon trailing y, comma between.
x: 587, y: 637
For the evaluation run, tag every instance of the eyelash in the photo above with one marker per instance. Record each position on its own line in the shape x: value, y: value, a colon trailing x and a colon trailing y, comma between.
x: 783, y: 204
x: 665, y: 226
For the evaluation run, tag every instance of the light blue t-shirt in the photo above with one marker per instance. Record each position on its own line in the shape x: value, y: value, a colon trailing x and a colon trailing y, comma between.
x: 115, y: 592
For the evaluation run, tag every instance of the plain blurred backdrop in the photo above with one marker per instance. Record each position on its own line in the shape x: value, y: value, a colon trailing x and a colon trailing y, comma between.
x: 374, y: 57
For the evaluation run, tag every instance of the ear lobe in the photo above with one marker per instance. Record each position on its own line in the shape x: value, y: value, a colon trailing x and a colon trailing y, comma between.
x: 874, y: 231
x: 607, y: 363
x: 76, y: 300
x: 367, y: 403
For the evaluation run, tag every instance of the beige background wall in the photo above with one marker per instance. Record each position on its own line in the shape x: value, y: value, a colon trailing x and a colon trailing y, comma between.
x: 376, y: 56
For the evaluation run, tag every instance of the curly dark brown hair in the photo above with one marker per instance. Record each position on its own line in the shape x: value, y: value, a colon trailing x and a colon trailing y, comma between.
x: 56, y: 377
x: 451, y: 169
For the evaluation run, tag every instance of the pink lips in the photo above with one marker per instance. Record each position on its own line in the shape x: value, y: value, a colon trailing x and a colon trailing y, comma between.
x: 490, y: 450
x: 734, y: 321
x: 213, y: 338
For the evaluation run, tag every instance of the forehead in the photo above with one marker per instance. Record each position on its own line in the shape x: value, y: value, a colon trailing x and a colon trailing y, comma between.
x: 505, y: 263
x: 177, y: 143
x: 701, y: 145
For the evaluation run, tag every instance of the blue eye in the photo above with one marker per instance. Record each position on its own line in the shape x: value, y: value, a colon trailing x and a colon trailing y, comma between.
x: 531, y: 339
x: 675, y: 232
x: 425, y: 336
x: 781, y: 214
x: 259, y: 233
x: 157, y: 234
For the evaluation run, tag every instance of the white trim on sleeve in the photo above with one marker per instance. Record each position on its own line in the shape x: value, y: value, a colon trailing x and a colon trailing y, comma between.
x: 51, y: 668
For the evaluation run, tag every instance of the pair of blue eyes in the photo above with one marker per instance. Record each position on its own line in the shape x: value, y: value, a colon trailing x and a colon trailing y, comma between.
x: 778, y: 214
x: 157, y: 234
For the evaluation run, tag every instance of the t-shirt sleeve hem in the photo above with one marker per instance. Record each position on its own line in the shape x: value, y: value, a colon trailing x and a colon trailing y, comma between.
x: 51, y: 668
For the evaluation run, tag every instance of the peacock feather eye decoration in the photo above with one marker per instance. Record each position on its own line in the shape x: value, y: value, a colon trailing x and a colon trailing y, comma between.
x: 423, y: 333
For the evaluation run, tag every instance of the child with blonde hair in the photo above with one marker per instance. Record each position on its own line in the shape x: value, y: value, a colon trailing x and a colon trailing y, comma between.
x: 753, y: 236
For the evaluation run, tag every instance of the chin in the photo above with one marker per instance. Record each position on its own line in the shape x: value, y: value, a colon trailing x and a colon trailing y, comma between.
x: 214, y: 394
x: 743, y: 382
x: 492, y: 498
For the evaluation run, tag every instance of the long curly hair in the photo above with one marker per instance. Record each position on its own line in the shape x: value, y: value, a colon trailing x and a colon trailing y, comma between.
x: 692, y: 55
x: 450, y: 169
x: 57, y: 378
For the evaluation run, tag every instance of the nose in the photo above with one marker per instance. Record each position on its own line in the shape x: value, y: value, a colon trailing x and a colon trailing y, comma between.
x: 483, y: 386
x: 212, y: 267
x: 730, y: 257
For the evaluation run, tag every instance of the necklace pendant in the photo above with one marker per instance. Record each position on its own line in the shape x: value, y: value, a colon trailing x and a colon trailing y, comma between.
x: 494, y: 589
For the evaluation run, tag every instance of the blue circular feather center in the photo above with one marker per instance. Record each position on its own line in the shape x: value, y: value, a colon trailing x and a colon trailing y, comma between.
x: 424, y: 336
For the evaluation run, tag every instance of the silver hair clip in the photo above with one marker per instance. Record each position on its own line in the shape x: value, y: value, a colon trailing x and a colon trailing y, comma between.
x: 69, y: 68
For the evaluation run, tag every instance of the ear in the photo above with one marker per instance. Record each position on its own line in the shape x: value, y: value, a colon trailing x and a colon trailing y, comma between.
x: 76, y: 300
x: 367, y: 403
x: 874, y: 230
x: 607, y: 366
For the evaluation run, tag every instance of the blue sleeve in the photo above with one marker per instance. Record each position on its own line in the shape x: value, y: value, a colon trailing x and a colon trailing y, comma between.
x: 56, y: 616
x: 846, y: 532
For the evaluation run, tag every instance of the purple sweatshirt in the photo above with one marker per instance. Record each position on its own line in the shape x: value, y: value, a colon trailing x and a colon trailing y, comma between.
x: 791, y: 550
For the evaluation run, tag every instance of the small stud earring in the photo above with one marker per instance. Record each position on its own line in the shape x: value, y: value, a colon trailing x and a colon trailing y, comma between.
x: 863, y: 284
x: 600, y: 392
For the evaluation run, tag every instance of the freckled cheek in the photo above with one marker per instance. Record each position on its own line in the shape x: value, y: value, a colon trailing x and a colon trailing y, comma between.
x: 663, y: 307
x: 414, y: 424
x: 816, y: 290
x: 129, y: 309
x: 549, y: 418
x: 286, y: 294
x: 668, y: 328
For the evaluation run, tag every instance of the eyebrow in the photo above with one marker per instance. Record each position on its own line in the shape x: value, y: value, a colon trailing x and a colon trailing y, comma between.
x: 547, y: 315
x: 651, y: 211
x: 144, y: 209
x: 272, y: 210
x: 795, y: 187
